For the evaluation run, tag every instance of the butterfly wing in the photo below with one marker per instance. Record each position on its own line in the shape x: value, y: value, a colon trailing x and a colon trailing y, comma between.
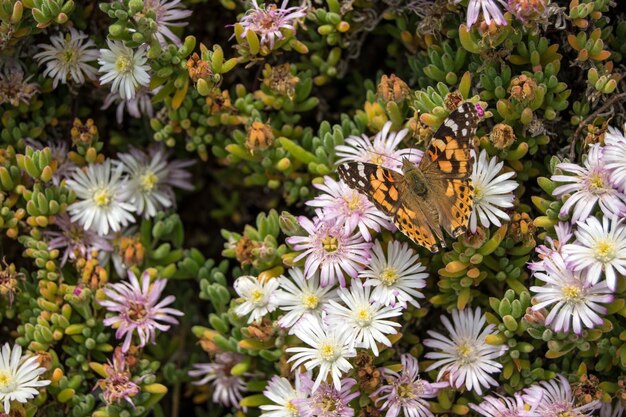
x: 386, y: 189
x: 447, y: 166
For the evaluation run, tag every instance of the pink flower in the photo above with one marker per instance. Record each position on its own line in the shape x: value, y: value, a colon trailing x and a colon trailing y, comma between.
x: 138, y: 309
x: 268, y: 21
x: 118, y: 384
x: 327, y: 401
x: 227, y: 388
x: 331, y: 249
x: 349, y: 207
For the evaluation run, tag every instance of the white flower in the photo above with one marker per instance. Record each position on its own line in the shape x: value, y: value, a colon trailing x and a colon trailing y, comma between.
x: 151, y: 178
x: 590, y: 185
x: 499, y: 406
x: 554, y: 398
x: 577, y: 301
x: 349, y: 207
x: 492, y: 192
x: 125, y: 67
x: 366, y: 319
x: 280, y: 392
x: 19, y: 377
x: 329, y: 348
x: 103, y: 196
x: 259, y: 297
x: 299, y: 296
x: 396, y: 277
x: 68, y: 56
x: 599, y: 247
x: 615, y: 157
x: 380, y: 151
x: 465, y: 355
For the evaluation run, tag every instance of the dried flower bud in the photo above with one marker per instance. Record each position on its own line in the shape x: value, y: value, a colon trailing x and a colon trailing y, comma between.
x: 280, y: 80
x: 243, y: 250
x: 262, y: 331
x: 8, y: 281
x: 475, y: 240
x: 420, y: 132
x: 198, y: 68
x: 259, y: 137
x: 523, y: 88
x: 131, y: 250
x: 370, y: 411
x: 83, y: 133
x: 367, y: 375
x: 535, y: 317
x: 527, y: 10
x: 502, y: 136
x: 587, y: 389
x: 218, y: 101
x: 452, y: 101
x: 522, y: 228
x: 392, y: 88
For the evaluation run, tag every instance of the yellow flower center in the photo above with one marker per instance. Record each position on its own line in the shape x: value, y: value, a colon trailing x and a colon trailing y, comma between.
x: 478, y: 194
x: 354, y: 201
x: 363, y: 316
x: 292, y: 409
x: 327, y: 352
x: 405, y: 391
x: 328, y: 404
x: 572, y: 292
x: 7, y: 384
x: 376, y: 159
x: 389, y: 276
x: 102, y: 197
x: 123, y: 64
x: 310, y: 301
x: 604, y: 251
x: 596, y: 184
x: 256, y: 297
x: 148, y: 181
x: 466, y: 353
x: 330, y: 244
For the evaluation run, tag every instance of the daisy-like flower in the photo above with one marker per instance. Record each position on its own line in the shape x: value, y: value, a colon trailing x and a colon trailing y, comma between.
x: 138, y: 106
x: 382, y: 150
x: 118, y: 384
x: 589, y: 185
x: 500, y: 406
x: 464, y: 355
x: 599, y: 247
x: 329, y: 348
x: 492, y: 192
x: 167, y: 13
x: 151, y: 178
x: 615, y: 157
x: 126, y: 68
x: 327, y: 400
x: 259, y: 298
x: 554, y: 398
x: 137, y: 309
x: 491, y: 11
x: 77, y: 242
x: 349, y: 207
x: 299, y: 296
x: 576, y: 301
x: 102, y: 198
x: 331, y: 249
x: 14, y: 88
x: 405, y: 391
x: 227, y: 388
x: 68, y: 55
x: 396, y: 277
x: 268, y: 21
x: 19, y: 377
x: 284, y: 396
x: 366, y: 320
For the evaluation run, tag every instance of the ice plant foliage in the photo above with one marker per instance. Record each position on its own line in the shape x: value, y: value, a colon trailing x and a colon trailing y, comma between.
x: 136, y: 309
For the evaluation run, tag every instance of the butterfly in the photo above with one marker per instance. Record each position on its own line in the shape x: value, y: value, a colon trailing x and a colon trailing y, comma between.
x: 434, y: 194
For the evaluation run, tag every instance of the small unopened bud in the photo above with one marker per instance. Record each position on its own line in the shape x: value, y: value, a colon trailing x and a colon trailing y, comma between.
x: 392, y: 88
x: 259, y: 137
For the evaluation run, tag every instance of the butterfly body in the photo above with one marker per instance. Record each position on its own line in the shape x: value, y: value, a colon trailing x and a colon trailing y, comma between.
x: 434, y: 194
